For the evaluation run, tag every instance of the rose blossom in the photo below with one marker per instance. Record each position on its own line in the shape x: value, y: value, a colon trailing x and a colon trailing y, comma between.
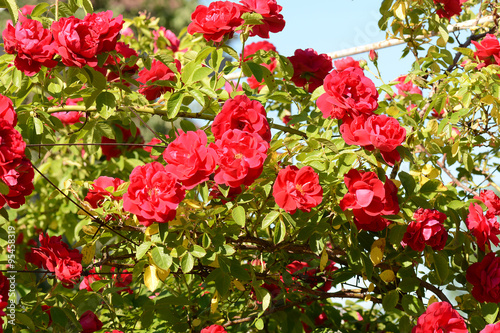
x: 484, y: 228
x: 220, y: 19
x: 406, y: 88
x: 491, y: 200
x: 449, y: 8
x: 440, y: 317
x: 347, y: 92
x: 190, y: 159
x: 487, y: 50
x: 163, y: 35
x: 7, y: 111
x: 68, y: 271
x: 32, y: 43
x: 12, y: 146
x: 427, y: 229
x: 107, y: 28
x: 241, y: 157
x: 90, y: 323
x: 345, y: 63
x: 491, y: 328
x: 158, y: 71
x: 484, y: 277
x: 310, y: 68
x: 149, y: 149
x: 248, y: 53
x: 214, y: 329
x: 19, y: 179
x: 100, y: 190
x: 297, y: 189
x: 4, y: 287
x: 110, y: 151
x: 272, y: 20
x: 369, y: 199
x: 153, y: 194
x: 88, y: 279
x: 243, y: 114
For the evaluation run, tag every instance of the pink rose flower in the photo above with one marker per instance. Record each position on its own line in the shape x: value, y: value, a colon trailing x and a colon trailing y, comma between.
x: 243, y: 114
x: 19, y: 179
x: 296, y: 188
x: 166, y: 39
x: 241, y: 157
x: 272, y: 20
x: 345, y: 63
x: 100, y: 190
x: 68, y: 271
x: 487, y: 50
x: 189, y: 158
x: 217, y: 21
x: 370, y: 199
x: 406, y: 88
x: 153, y: 194
x: 440, y: 317
x: 33, y: 45
x: 427, y: 229
x: 7, y: 111
x: 484, y: 277
x: 310, y: 68
x: 347, y: 92
x: 491, y: 328
x: 484, y: 228
x: 491, y: 200
x: 158, y: 71
x: 213, y: 329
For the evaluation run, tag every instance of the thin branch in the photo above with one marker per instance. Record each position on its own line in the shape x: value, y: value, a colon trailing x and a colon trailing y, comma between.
x: 95, y: 219
x: 435, y: 290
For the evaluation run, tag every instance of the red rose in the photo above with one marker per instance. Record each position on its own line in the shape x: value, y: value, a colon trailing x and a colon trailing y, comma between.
x: 90, y: 323
x: 373, y: 55
x: 369, y: 199
x: 310, y: 68
x: 297, y: 189
x: 347, y: 92
x: 123, y: 279
x: 114, y: 331
x: 220, y: 19
x: 88, y: 279
x: 7, y: 111
x: 243, y: 114
x: 111, y: 151
x: 491, y: 200
x: 449, y: 8
x: 71, y: 117
x: 491, y: 328
x: 354, y: 132
x: 11, y: 146
x: 241, y: 157
x: 427, y: 229
x: 440, y: 317
x: 484, y: 277
x: 19, y: 179
x: 190, y: 159
x: 158, y: 71
x: 100, y: 190
x: 4, y: 287
x: 272, y: 20
x: 406, y: 88
x: 153, y: 194
x: 68, y: 271
x: 487, y: 50
x: 345, y: 63
x: 252, y: 48
x: 213, y: 329
x: 149, y: 149
x: 107, y: 28
x: 33, y: 45
x: 166, y: 39
x: 484, y: 228
x: 310, y: 276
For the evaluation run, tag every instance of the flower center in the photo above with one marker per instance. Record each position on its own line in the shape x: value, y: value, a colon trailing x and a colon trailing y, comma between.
x: 238, y: 156
x: 298, y: 187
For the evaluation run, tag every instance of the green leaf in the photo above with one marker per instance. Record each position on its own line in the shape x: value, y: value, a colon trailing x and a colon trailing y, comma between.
x: 11, y: 5
x: 106, y: 104
x: 142, y: 249
x: 87, y: 6
x: 38, y: 125
x: 408, y: 182
x: 270, y: 217
x: 489, y: 311
x: 4, y: 188
x: 390, y: 300
x: 174, y: 104
x: 187, y: 263
x: 98, y: 285
x: 412, y: 305
x: 396, y: 233
x: 201, y: 73
x: 289, y: 219
x: 39, y: 9
x: 279, y: 232
x: 263, y: 296
x: 198, y: 252
x: 239, y: 215
x: 25, y: 320
x: 161, y: 259
x: 441, y: 266
x: 250, y: 68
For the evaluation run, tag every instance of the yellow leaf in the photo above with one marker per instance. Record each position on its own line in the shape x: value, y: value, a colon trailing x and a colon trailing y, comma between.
x: 196, y: 322
x: 88, y: 252
x: 67, y: 184
x: 454, y: 148
x: 324, y: 260
x: 239, y: 285
x: 214, y: 263
x: 193, y: 203
x: 432, y: 299
x: 214, y: 303
x: 152, y: 229
x: 89, y: 229
x: 162, y: 274
x: 400, y: 10
x: 488, y: 99
x: 150, y: 278
x: 430, y: 172
x: 387, y: 276
x: 371, y: 287
x: 392, y: 111
x: 376, y: 256
x: 396, y: 182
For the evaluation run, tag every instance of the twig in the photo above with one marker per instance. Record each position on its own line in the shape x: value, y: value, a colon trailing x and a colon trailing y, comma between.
x: 435, y: 290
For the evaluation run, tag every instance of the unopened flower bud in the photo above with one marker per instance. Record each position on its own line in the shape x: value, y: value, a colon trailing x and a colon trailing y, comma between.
x: 373, y: 55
